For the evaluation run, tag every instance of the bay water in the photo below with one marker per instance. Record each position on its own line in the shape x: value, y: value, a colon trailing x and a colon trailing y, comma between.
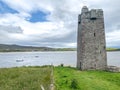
x: 68, y: 58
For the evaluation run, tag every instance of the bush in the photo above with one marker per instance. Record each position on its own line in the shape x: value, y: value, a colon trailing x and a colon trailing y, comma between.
x: 74, y: 84
x: 62, y: 65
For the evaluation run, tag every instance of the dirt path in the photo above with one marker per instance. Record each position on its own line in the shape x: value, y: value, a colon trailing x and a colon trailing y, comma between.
x: 52, y: 78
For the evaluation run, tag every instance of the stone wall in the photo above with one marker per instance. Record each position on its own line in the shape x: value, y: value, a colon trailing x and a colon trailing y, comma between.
x: 113, y: 69
x: 91, y: 45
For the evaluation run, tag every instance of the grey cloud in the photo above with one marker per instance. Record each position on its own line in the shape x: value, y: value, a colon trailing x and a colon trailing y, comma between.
x: 50, y: 41
x: 10, y: 29
x: 7, y: 31
x: 68, y: 38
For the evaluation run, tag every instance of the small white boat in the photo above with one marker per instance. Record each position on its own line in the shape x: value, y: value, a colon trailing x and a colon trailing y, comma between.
x: 20, y: 60
x: 36, y: 56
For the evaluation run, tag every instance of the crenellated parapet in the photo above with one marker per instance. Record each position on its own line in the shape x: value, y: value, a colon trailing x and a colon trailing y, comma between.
x: 92, y: 14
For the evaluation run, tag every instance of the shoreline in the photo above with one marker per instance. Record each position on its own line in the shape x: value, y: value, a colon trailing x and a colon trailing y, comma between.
x: 53, y: 51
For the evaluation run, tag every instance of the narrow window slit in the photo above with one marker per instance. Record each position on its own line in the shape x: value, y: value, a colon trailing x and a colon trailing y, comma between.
x: 79, y: 22
x: 94, y: 34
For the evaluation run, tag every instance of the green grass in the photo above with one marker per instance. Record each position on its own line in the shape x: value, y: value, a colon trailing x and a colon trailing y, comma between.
x: 113, y: 49
x: 65, y: 78
x: 24, y: 78
x: 73, y: 79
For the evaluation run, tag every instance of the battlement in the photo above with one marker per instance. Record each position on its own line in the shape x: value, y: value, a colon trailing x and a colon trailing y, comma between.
x: 93, y: 14
x: 96, y: 13
x: 85, y: 9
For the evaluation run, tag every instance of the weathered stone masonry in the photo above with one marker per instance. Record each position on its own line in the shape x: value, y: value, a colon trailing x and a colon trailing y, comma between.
x: 91, y: 45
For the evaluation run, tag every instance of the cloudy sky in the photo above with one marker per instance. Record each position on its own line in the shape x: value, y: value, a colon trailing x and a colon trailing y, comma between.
x: 53, y: 23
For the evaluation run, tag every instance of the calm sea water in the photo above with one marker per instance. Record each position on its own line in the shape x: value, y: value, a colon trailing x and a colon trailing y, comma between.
x: 14, y: 59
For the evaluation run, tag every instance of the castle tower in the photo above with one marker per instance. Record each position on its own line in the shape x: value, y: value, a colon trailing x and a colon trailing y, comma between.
x: 91, y: 45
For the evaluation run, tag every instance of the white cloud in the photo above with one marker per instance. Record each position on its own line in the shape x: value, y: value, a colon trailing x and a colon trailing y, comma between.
x: 62, y: 20
x: 113, y: 38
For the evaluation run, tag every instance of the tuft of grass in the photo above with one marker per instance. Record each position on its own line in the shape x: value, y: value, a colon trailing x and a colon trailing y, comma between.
x: 25, y: 78
x: 72, y: 79
x: 74, y: 84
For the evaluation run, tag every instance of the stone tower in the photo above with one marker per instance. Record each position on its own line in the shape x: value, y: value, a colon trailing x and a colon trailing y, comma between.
x: 91, y: 45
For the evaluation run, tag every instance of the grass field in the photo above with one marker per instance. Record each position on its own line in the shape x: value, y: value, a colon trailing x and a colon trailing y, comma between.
x: 113, y: 49
x: 65, y: 78
x: 25, y: 78
x: 72, y: 79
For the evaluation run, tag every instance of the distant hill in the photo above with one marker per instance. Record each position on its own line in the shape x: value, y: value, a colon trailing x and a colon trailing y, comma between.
x: 18, y: 48
x: 113, y: 49
x: 10, y: 48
